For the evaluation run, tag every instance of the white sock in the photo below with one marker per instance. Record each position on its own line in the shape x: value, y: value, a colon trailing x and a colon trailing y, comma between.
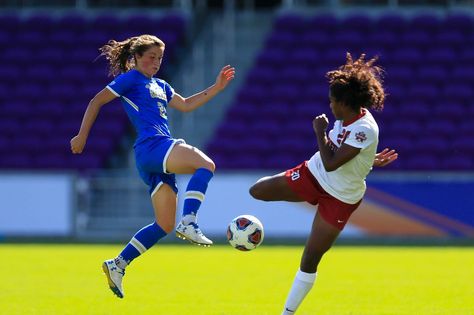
x: 189, y: 218
x: 120, y: 262
x: 301, y: 285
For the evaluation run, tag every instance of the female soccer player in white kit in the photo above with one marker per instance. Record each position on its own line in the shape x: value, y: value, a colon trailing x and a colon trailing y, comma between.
x: 334, y: 177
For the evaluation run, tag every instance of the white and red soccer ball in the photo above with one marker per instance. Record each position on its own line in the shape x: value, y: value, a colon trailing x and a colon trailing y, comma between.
x: 245, y: 232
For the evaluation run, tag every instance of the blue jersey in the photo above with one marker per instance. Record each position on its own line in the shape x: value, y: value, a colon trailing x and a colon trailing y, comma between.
x: 145, y: 100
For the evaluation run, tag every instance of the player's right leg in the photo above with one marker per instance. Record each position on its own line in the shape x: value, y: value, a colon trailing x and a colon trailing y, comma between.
x: 185, y: 159
x: 274, y: 188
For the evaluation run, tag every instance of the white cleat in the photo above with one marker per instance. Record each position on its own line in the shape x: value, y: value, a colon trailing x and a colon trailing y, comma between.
x: 191, y: 232
x: 114, y: 276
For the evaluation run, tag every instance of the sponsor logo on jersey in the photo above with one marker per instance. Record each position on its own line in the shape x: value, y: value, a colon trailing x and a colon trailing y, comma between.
x: 156, y: 91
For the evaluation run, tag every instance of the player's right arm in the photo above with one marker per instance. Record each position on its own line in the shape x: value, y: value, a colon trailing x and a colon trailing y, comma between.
x: 102, y: 98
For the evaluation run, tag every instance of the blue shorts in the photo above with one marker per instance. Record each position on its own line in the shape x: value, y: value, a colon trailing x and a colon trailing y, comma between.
x: 151, y: 156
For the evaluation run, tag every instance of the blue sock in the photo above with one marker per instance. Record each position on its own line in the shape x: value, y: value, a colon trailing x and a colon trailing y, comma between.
x: 140, y: 242
x: 195, y: 191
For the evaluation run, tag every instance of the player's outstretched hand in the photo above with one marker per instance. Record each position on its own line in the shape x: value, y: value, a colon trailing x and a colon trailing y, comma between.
x: 226, y: 75
x: 77, y: 144
x: 385, y: 157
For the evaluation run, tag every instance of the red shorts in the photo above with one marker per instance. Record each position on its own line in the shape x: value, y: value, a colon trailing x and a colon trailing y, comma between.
x: 332, y: 210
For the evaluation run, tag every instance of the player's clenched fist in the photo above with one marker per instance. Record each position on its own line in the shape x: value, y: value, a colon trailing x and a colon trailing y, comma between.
x: 320, y: 123
x: 77, y: 144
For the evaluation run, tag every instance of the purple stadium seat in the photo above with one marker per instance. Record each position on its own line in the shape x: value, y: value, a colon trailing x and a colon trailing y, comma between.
x: 10, y: 23
x: 450, y: 110
x: 42, y: 72
x: 262, y: 76
x: 53, y: 161
x: 266, y: 129
x: 73, y: 21
x: 313, y: 39
x: 426, y: 22
x: 63, y: 38
x: 39, y: 127
x: 9, y: 73
x: 10, y: 125
x: 254, y: 94
x: 394, y: 23
x: 439, y: 128
x: 414, y: 110
x: 294, y: 23
x: 271, y: 58
x: 451, y: 38
x: 434, y: 74
x: 458, y: 93
x: 441, y: 56
x: 15, y: 160
x: 383, y: 39
x: 462, y: 73
x: 458, y: 162
x: 423, y: 162
x: 285, y: 92
x: 360, y: 22
x: 240, y: 112
x: 406, y: 56
x: 423, y: 92
x: 463, y: 144
x: 400, y: 75
x: 458, y: 22
x: 432, y: 144
x: 466, y: 57
x: 417, y: 39
x: 326, y: 23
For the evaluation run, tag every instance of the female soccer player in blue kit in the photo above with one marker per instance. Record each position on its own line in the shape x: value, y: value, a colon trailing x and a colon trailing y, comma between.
x: 133, y: 62
x: 334, y: 178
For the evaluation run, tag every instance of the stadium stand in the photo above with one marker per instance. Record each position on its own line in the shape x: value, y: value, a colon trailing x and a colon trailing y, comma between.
x: 429, y: 63
x: 49, y: 76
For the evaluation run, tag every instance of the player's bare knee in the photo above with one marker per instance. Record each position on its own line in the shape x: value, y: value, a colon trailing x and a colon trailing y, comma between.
x: 257, y: 191
x: 211, y: 166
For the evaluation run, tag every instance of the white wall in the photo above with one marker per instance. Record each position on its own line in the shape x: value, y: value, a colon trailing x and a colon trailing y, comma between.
x: 36, y: 204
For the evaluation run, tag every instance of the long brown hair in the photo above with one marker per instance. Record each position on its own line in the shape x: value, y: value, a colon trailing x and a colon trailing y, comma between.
x: 358, y: 84
x: 121, y: 55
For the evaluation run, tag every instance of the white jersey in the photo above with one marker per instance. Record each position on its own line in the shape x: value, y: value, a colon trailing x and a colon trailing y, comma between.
x: 347, y: 183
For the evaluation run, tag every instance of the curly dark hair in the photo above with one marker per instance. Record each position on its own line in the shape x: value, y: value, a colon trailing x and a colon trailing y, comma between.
x: 358, y: 84
x: 121, y: 55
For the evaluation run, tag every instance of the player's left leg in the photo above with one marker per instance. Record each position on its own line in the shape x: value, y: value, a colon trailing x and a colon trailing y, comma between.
x: 185, y: 159
x: 323, y: 235
x: 164, y: 202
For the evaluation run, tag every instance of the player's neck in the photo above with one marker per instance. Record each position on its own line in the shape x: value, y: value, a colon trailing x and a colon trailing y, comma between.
x: 350, y: 116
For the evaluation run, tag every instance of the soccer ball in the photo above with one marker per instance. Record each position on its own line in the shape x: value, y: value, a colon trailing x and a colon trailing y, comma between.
x: 245, y: 232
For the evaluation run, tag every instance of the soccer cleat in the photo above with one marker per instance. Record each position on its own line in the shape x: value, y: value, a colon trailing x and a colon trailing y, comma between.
x: 114, y: 276
x: 191, y: 232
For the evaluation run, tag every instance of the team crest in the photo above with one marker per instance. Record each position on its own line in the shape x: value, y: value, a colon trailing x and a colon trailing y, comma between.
x: 156, y: 91
x: 360, y: 136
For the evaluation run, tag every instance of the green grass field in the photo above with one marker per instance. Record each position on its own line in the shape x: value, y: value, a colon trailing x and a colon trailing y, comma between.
x: 184, y: 279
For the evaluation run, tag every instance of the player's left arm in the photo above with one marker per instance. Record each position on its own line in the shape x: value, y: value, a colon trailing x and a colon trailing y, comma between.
x: 190, y: 103
x: 385, y: 157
